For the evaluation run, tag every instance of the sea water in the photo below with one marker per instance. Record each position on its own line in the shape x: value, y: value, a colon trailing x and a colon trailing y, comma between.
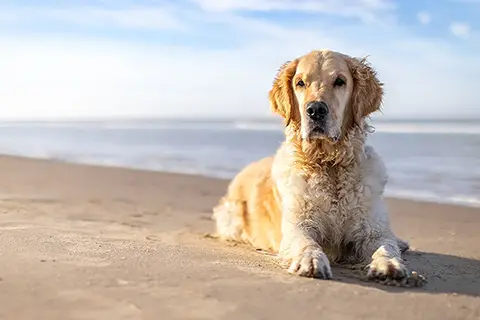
x: 427, y: 160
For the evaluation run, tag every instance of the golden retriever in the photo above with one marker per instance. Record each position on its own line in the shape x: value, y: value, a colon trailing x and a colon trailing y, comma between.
x: 319, y: 199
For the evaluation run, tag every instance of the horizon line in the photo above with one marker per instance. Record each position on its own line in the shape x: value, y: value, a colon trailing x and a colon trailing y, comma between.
x: 465, y: 118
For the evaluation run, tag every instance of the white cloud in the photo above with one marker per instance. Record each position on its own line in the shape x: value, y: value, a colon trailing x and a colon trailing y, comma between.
x: 78, y: 76
x: 126, y: 17
x: 424, y: 17
x: 61, y: 78
x: 366, y: 10
x: 64, y: 78
x: 460, y: 29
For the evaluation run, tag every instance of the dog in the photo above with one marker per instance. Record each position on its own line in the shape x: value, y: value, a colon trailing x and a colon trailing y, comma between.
x: 319, y: 199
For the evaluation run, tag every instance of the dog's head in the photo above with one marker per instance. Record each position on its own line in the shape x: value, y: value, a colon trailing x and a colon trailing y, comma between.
x: 325, y: 94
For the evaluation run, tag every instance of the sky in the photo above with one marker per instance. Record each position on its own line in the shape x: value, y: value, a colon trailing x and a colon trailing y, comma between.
x: 218, y: 58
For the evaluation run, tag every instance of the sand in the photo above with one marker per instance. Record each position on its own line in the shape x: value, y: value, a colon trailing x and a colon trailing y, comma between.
x: 85, y: 242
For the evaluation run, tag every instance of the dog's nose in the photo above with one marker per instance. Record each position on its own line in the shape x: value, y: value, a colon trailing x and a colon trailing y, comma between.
x: 317, y: 110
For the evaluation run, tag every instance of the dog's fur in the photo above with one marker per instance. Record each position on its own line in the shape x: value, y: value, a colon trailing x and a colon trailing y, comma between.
x: 319, y: 199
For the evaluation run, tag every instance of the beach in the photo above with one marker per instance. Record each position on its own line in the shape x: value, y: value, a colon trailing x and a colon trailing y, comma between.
x: 96, y: 242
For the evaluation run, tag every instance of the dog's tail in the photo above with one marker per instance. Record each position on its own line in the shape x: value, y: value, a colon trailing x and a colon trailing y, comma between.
x: 228, y: 216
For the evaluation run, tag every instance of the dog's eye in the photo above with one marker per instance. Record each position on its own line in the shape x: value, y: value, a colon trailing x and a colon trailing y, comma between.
x: 300, y: 83
x: 339, y: 82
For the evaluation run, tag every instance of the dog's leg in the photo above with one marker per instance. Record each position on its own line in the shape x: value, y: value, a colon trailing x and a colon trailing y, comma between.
x: 386, y: 262
x: 377, y: 242
x: 301, y: 253
x: 403, y: 245
x: 299, y: 248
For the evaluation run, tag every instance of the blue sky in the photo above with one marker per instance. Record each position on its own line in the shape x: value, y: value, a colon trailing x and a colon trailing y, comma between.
x: 218, y: 57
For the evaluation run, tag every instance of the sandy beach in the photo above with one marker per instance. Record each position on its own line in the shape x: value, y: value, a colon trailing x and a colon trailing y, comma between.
x: 86, y: 242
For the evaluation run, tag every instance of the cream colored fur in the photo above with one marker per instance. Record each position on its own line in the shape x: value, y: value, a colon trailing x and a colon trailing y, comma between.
x: 318, y: 202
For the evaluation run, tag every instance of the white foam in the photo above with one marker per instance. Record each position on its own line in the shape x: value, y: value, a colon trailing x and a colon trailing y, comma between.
x: 432, y: 128
x: 426, y: 196
x: 258, y: 126
x: 254, y: 125
x: 386, y: 127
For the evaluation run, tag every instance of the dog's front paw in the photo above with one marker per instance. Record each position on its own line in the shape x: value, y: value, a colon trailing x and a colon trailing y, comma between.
x: 385, y: 269
x: 312, y: 262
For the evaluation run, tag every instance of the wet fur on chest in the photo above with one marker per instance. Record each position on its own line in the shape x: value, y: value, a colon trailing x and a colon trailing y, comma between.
x: 335, y: 200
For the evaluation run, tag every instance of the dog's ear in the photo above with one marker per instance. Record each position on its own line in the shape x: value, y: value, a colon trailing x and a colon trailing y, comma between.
x: 367, y: 94
x: 281, y: 97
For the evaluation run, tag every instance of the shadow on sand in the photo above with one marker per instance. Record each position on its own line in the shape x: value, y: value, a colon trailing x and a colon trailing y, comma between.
x: 444, y: 273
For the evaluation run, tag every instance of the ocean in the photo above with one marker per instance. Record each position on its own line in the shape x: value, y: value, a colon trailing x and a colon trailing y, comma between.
x: 435, y: 161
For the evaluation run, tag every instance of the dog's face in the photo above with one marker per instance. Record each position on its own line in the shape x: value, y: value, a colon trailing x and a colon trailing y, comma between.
x: 325, y: 94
